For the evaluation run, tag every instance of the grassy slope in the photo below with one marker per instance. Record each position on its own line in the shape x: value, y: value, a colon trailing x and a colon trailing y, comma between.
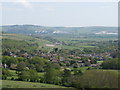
x: 22, y: 84
x: 42, y: 43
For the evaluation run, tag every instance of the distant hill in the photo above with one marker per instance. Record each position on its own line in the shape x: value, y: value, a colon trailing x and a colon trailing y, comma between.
x: 45, y: 30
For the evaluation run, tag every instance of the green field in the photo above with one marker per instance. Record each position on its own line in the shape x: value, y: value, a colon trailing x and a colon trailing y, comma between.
x: 99, y: 61
x: 22, y: 84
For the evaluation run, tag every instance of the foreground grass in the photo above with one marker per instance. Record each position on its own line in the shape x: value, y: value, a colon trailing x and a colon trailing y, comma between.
x: 22, y: 84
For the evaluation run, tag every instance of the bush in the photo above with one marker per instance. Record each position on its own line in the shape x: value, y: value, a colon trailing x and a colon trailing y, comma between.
x: 5, y: 72
x: 12, y: 78
x: 27, y: 75
x: 4, y: 77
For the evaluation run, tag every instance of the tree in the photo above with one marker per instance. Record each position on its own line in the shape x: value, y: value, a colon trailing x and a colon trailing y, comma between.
x: 93, y: 61
x: 66, y: 77
x: 111, y: 64
x: 33, y: 75
x: 68, y: 64
x: 31, y: 66
x: 21, y: 59
x: 5, y: 60
x: 77, y: 72
x: 72, y: 62
x: 24, y: 75
x: 37, y: 63
x: 9, y: 60
x: 67, y: 73
x: 13, y: 66
x: 55, y: 49
x: 75, y: 65
x: 39, y: 68
x: 38, y: 60
x: 27, y: 75
x: 5, y: 73
x: 6, y: 53
x: 51, y: 75
x: 84, y: 59
x: 56, y: 66
x: 21, y: 66
x: 87, y: 63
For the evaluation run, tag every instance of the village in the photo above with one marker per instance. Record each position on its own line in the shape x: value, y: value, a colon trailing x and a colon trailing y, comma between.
x: 65, y: 60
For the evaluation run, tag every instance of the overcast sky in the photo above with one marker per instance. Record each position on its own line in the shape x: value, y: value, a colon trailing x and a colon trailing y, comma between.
x: 60, y: 13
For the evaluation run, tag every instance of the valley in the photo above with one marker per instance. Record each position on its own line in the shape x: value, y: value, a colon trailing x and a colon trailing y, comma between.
x: 62, y: 56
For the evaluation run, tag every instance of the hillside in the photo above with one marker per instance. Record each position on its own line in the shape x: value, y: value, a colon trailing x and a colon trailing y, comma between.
x: 17, y: 41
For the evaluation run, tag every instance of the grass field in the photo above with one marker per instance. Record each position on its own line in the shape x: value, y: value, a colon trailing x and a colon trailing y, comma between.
x: 22, y: 84
x: 99, y: 61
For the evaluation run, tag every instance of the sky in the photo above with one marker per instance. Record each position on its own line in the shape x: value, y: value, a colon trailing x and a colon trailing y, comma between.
x: 68, y: 14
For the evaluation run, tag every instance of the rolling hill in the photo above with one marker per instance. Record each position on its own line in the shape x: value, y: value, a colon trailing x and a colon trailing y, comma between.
x: 61, y: 31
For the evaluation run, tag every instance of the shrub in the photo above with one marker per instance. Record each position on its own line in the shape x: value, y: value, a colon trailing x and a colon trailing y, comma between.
x: 12, y: 78
x: 4, y: 77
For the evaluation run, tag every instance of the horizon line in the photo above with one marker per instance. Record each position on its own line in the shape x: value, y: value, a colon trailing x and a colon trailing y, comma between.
x: 58, y: 26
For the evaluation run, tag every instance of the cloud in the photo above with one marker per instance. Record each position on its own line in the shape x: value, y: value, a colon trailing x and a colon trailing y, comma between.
x: 25, y: 3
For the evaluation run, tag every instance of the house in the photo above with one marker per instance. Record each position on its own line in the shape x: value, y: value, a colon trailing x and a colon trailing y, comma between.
x: 13, y: 55
x: 61, y: 59
x: 81, y: 64
x: 79, y: 61
x: 93, y: 65
x: 58, y: 43
x: 25, y: 55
